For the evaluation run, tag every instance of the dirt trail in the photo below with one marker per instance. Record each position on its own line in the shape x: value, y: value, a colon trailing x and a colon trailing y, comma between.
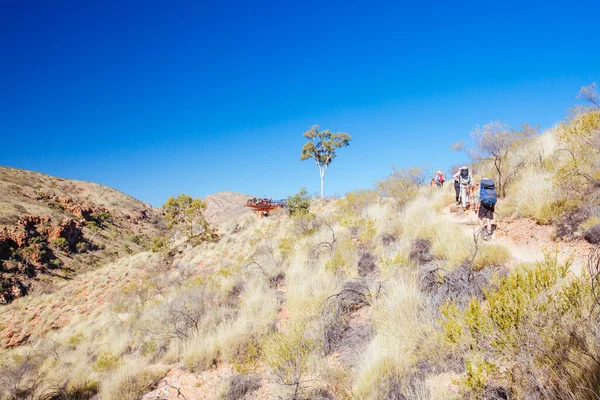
x: 526, y: 240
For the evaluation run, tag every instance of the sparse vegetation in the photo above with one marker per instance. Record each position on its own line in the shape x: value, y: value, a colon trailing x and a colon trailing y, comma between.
x: 383, y: 294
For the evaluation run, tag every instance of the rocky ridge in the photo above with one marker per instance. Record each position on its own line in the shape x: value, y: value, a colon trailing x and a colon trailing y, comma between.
x: 56, y: 227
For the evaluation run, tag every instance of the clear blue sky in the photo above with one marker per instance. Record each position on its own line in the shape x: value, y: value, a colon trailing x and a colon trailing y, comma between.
x: 158, y: 98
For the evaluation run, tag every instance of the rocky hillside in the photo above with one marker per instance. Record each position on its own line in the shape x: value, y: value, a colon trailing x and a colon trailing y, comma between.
x: 52, y: 228
x: 225, y: 206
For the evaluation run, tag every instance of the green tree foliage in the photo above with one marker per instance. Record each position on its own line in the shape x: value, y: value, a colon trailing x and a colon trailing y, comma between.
x: 299, y: 203
x: 321, y: 147
x: 503, y: 147
x: 187, y: 213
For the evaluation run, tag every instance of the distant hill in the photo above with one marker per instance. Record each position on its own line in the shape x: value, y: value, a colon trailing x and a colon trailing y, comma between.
x: 56, y: 227
x: 225, y: 206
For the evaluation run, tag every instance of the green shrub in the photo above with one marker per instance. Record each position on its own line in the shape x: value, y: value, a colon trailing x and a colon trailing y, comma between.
x: 106, y: 361
x: 530, y: 332
x: 75, y: 340
x: 102, y: 216
x: 290, y: 355
x: 82, y: 247
x: 299, y: 203
x: 159, y: 244
x: 60, y: 243
x: 91, y: 225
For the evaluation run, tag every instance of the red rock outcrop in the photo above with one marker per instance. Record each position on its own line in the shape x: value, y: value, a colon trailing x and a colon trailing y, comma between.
x: 69, y: 229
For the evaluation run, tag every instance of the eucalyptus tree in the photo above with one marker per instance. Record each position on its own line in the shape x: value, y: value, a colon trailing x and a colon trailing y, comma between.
x: 321, y: 147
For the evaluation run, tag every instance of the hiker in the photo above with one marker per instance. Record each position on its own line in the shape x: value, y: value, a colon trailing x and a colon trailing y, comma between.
x: 440, y: 178
x: 487, y: 207
x: 456, y: 177
x: 465, y: 185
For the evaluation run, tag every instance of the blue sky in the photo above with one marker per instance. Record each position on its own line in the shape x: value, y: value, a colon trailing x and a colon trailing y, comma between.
x: 159, y: 98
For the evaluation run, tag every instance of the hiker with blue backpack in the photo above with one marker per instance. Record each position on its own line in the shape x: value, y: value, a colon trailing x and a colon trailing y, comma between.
x: 487, y: 207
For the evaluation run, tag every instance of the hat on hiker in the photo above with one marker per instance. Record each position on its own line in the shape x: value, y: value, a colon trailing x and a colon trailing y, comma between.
x: 439, y: 171
x: 464, y: 167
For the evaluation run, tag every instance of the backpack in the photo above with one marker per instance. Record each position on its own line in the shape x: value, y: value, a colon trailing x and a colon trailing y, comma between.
x: 464, y: 176
x: 487, y: 193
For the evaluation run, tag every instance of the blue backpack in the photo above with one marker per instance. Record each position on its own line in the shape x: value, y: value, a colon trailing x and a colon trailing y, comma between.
x: 487, y: 193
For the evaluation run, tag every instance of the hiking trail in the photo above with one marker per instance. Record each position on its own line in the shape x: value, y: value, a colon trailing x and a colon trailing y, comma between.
x: 526, y: 240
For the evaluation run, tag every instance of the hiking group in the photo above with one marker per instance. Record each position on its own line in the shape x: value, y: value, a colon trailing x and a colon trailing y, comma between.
x: 439, y: 180
x: 482, y: 197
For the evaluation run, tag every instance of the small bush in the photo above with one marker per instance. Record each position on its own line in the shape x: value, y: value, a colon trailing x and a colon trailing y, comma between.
x: 291, y: 356
x: 60, y: 243
x: 159, y: 244
x: 82, y: 247
x: 75, y: 340
x: 106, y: 361
x: 91, y: 225
x: 299, y: 203
x: 56, y: 263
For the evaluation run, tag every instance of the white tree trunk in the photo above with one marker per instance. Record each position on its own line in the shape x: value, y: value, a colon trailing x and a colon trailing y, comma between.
x: 322, y: 173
